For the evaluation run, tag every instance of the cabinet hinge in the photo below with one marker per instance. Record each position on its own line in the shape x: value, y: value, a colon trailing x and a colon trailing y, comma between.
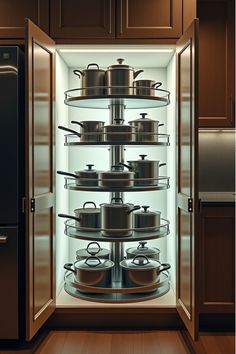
x: 190, y: 205
x: 32, y: 205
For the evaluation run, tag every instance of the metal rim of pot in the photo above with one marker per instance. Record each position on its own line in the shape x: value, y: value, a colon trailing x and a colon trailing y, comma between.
x: 89, y: 251
x: 145, y: 220
x: 116, y: 177
x: 150, y: 252
x: 92, y: 271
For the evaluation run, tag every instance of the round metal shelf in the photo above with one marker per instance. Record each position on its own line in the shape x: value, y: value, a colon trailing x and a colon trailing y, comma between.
x: 72, y: 231
x: 75, y: 98
x: 117, y: 297
x: 116, y: 287
x: 159, y: 186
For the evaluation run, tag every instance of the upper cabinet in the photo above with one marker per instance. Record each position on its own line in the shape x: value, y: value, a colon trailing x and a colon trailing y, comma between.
x: 75, y: 20
x: 14, y: 12
x: 149, y: 19
x: 216, y: 63
x: 72, y: 19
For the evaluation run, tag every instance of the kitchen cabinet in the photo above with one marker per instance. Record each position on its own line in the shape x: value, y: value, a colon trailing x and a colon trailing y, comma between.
x: 216, y: 63
x: 119, y: 19
x: 13, y: 14
x: 217, y: 259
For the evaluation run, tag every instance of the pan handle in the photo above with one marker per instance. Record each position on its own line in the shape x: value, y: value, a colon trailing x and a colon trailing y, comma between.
x: 68, y: 266
x: 79, y: 123
x: 69, y: 130
x: 157, y: 84
x: 164, y: 266
x: 78, y: 72
x: 136, y: 207
x: 161, y: 124
x: 68, y: 217
x: 123, y: 164
x: 162, y: 164
x: 66, y: 174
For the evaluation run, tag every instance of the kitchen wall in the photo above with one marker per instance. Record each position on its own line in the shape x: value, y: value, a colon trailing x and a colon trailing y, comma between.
x: 216, y: 160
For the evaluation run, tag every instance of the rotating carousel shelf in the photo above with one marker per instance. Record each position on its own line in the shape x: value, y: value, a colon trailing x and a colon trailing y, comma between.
x: 143, y: 234
x: 75, y: 98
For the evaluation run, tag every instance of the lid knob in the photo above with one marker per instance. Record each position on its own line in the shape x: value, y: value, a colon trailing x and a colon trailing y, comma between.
x: 143, y: 115
x: 145, y: 207
x: 120, y: 60
x: 142, y: 157
x: 89, y: 167
x: 119, y: 120
x: 142, y: 245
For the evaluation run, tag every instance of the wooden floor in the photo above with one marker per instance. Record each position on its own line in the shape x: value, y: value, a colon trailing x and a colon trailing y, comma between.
x: 134, y: 342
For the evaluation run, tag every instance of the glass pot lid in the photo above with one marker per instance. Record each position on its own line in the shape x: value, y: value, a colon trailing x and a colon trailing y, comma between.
x: 93, y: 263
x: 142, y: 249
x: 140, y: 261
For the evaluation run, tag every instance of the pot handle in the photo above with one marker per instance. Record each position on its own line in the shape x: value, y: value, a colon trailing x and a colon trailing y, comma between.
x: 138, y: 256
x: 123, y: 164
x: 162, y: 164
x: 69, y: 130
x: 68, y: 266
x: 117, y: 198
x: 136, y: 73
x: 161, y: 124
x: 75, y: 122
x: 89, y: 203
x: 66, y: 174
x: 164, y: 266
x: 92, y: 257
x: 136, y: 207
x: 93, y: 243
x: 78, y: 72
x: 116, y: 167
x: 93, y: 64
x: 157, y: 84
x: 68, y: 217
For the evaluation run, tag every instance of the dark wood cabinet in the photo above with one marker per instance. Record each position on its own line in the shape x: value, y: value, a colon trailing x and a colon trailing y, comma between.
x: 73, y: 19
x: 216, y: 63
x: 217, y: 239
x: 152, y: 19
x: 14, y: 12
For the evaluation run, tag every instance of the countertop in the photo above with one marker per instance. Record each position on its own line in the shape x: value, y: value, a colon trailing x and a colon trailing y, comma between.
x: 217, y: 197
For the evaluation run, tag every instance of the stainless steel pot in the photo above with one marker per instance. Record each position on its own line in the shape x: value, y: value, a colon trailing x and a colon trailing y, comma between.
x: 119, y: 132
x: 146, y: 171
x: 93, y: 80
x: 145, y: 220
x: 86, y: 219
x: 88, y: 177
x: 116, y: 177
x: 150, y: 252
x: 147, y: 129
x: 117, y: 218
x: 146, y: 87
x: 92, y: 271
x: 141, y: 271
x: 91, y: 130
x: 120, y: 75
x: 90, y: 250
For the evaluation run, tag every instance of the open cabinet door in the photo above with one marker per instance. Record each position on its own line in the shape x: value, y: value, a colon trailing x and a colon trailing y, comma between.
x: 187, y: 177
x: 40, y: 240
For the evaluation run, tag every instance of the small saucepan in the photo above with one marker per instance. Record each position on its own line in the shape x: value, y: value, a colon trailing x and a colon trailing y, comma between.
x: 87, y: 177
x: 145, y: 87
x: 91, y: 130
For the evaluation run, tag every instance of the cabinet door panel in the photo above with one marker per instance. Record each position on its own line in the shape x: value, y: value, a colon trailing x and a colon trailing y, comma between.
x: 216, y: 63
x: 40, y: 244
x: 187, y: 179
x: 82, y: 19
x: 14, y: 12
x: 152, y: 19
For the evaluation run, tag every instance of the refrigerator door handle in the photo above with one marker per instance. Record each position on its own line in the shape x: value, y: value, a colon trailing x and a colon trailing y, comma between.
x: 3, y: 239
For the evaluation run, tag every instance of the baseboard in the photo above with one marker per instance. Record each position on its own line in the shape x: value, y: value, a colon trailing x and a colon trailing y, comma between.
x: 217, y: 322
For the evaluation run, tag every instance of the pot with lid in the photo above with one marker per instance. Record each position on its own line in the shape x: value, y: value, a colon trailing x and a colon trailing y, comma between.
x: 146, y: 171
x: 87, y: 177
x: 119, y: 132
x: 116, y: 177
x: 92, y: 271
x: 90, y: 250
x: 147, y: 129
x: 120, y: 75
x: 145, y: 220
x: 141, y: 271
x: 91, y: 130
x: 150, y: 252
x: 93, y: 80
x: 86, y: 219
x: 145, y: 87
x: 116, y: 218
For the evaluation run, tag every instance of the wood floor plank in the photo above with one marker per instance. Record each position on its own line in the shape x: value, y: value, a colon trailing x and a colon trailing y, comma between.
x: 54, y: 343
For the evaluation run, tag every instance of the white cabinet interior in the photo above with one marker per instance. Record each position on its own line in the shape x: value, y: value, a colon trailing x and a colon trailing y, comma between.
x: 158, y: 64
